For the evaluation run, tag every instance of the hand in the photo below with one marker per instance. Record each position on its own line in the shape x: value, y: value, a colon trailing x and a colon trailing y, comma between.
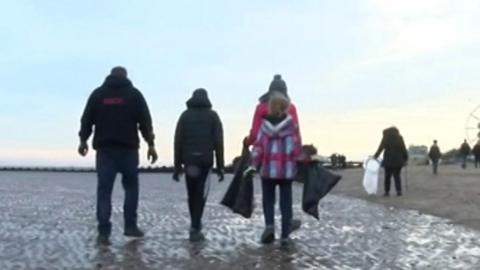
x: 83, y: 149
x: 152, y: 154
x: 221, y: 175
x: 249, y: 171
x: 176, y: 175
x: 245, y: 142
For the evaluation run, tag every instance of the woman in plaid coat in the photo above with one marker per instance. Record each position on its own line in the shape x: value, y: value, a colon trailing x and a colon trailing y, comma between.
x: 275, y: 152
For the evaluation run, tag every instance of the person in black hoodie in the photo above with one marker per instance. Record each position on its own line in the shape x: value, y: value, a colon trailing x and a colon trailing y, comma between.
x: 117, y: 110
x: 476, y: 153
x: 434, y: 154
x: 465, y: 151
x: 394, y: 158
x: 198, y: 135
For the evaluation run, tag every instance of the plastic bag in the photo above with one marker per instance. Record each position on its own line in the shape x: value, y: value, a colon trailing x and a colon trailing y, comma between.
x: 232, y: 191
x: 239, y: 196
x: 370, y: 177
x: 244, y: 202
x: 317, y: 182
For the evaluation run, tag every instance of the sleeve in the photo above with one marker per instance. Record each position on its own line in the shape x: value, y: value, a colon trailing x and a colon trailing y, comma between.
x: 405, y: 151
x: 178, y: 142
x: 87, y: 120
x: 258, y: 152
x: 298, y: 143
x: 256, y: 122
x: 294, y: 114
x: 380, y: 149
x: 218, y: 135
x: 145, y: 121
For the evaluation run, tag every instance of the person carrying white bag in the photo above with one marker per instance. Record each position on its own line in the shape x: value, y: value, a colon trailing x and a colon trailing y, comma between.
x: 395, y: 157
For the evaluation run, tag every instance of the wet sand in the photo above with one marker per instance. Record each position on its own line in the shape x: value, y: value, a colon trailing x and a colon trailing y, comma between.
x: 47, y: 221
x: 454, y: 193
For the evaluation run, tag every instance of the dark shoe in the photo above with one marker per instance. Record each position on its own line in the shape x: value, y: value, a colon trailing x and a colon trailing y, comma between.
x: 196, y: 236
x: 134, y: 232
x: 268, y: 235
x: 103, y: 240
x: 286, y: 242
x: 399, y: 194
x: 295, y: 224
x: 386, y: 194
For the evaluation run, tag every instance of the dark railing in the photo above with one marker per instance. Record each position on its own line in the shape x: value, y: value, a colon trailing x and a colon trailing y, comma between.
x: 162, y: 169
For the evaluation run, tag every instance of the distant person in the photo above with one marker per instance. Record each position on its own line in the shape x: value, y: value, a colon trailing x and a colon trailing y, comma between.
x: 342, y: 161
x: 465, y: 152
x: 434, y: 154
x: 198, y: 135
x: 117, y: 110
x: 394, y: 158
x: 476, y: 154
x: 277, y: 86
x: 334, y: 160
x: 275, y: 153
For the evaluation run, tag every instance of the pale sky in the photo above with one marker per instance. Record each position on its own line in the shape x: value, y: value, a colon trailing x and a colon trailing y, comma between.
x: 352, y: 68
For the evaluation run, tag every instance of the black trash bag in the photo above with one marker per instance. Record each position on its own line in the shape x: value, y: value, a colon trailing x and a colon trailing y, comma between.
x: 232, y: 191
x: 317, y: 182
x: 244, y: 202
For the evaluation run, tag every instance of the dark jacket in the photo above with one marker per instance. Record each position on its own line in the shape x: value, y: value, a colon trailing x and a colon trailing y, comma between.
x: 198, y: 134
x: 117, y: 110
x: 476, y: 151
x: 396, y: 154
x: 434, y: 154
x: 465, y: 149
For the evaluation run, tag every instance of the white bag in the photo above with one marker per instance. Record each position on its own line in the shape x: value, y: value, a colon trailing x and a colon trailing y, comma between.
x: 370, y: 178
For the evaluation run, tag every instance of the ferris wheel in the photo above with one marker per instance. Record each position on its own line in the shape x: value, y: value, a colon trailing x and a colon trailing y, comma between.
x: 472, y: 126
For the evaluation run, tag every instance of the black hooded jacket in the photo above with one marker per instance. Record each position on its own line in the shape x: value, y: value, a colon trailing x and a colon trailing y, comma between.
x: 117, y: 110
x: 465, y: 149
x: 396, y: 154
x: 198, y: 134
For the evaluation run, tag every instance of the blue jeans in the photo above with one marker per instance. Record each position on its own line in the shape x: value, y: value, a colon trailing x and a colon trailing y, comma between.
x: 268, y: 190
x: 109, y: 163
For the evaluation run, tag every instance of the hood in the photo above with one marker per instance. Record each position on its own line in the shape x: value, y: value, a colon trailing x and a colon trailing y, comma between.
x: 391, y: 131
x: 392, y: 136
x: 113, y: 81
x: 285, y: 128
x: 199, y: 99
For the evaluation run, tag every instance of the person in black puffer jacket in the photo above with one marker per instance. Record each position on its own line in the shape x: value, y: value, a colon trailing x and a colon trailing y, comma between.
x: 394, y: 158
x: 198, y: 135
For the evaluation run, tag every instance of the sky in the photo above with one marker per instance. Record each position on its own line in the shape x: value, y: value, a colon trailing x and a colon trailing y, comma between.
x: 352, y: 68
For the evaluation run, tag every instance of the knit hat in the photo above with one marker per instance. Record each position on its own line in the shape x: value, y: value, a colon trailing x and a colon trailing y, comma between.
x: 119, y: 71
x: 278, y: 85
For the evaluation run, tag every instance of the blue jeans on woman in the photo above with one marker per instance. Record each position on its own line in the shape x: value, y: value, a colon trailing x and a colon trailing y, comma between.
x: 268, y: 192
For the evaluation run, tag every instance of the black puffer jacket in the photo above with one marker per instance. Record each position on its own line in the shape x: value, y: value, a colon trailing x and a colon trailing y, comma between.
x: 476, y: 151
x: 199, y: 133
x: 117, y: 110
x: 396, y: 154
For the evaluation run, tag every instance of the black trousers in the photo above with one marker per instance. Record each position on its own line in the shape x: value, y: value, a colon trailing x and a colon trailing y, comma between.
x: 197, y: 189
x: 395, y: 172
x: 435, y: 167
